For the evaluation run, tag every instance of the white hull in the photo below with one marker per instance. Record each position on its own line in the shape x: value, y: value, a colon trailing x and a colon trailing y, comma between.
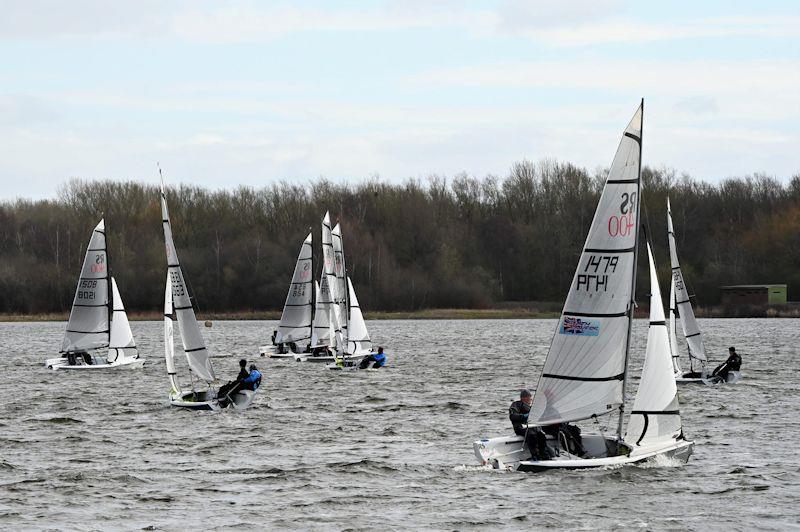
x: 350, y: 366
x: 271, y: 351
x: 206, y: 400
x: 509, y: 453
x: 733, y: 377
x: 62, y: 363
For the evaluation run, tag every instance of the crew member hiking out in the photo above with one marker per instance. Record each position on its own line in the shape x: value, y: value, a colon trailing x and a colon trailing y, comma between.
x: 733, y: 363
x: 378, y: 360
x: 232, y: 387
x: 535, y: 439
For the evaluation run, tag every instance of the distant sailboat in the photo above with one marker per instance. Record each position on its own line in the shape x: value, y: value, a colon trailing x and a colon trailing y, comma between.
x: 98, y: 334
x: 178, y: 304
x: 585, y: 372
x: 295, y: 329
x: 681, y: 305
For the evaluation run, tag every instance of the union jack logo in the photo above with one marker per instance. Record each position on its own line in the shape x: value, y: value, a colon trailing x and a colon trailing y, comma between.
x: 577, y: 326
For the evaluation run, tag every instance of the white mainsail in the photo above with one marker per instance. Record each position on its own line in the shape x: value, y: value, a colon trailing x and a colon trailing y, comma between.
x: 193, y: 344
x: 584, y: 373
x: 673, y: 339
x: 358, y: 340
x: 295, y: 324
x: 320, y: 334
x: 340, y: 271
x: 89, y: 321
x: 329, y: 264
x: 655, y: 416
x: 169, y: 341
x: 121, y: 343
x: 694, y: 338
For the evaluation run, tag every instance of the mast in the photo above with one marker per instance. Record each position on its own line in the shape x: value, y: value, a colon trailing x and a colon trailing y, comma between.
x: 632, y: 302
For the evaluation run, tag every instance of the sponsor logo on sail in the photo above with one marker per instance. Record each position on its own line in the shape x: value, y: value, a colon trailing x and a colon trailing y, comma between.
x: 578, y: 327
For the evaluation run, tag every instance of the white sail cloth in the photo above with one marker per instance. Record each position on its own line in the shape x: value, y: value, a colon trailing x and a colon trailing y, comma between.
x: 121, y: 343
x: 691, y: 330
x: 193, y: 344
x: 358, y: 340
x: 585, y: 366
x: 89, y: 320
x: 329, y: 265
x: 340, y: 271
x: 673, y: 338
x: 655, y: 416
x: 320, y: 334
x: 295, y: 324
x: 169, y: 340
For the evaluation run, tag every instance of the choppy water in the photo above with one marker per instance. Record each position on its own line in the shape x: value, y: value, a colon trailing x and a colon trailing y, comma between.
x: 388, y: 449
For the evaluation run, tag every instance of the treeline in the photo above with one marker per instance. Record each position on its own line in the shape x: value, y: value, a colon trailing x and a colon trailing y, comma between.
x: 463, y: 242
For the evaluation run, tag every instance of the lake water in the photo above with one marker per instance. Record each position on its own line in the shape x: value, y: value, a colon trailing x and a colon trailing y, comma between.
x: 390, y: 449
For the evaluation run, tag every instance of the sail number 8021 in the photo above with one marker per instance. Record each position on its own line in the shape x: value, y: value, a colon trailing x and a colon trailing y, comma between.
x: 596, y: 272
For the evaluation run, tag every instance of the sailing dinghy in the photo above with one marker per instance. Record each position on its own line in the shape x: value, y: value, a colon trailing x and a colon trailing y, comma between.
x: 98, y: 334
x: 202, y: 395
x: 585, y: 372
x: 327, y: 333
x: 358, y: 344
x: 295, y: 328
x: 681, y: 305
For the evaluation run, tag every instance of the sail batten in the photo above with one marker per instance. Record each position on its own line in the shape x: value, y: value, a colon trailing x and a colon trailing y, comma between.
x: 584, y: 372
x: 683, y: 304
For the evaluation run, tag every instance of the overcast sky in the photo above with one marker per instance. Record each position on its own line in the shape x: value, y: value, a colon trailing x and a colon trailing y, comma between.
x: 229, y: 93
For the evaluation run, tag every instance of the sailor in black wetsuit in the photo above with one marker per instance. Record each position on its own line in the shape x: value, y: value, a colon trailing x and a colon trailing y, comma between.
x: 534, y: 437
x: 733, y: 363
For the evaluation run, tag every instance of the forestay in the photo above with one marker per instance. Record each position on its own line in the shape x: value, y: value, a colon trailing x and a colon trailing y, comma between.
x: 88, y: 326
x: 358, y: 340
x: 655, y: 416
x: 295, y: 324
x: 585, y: 368
x: 121, y: 343
x: 340, y: 271
x: 691, y: 330
x: 193, y: 343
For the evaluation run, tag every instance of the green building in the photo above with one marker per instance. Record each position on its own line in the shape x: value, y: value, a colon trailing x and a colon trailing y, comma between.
x: 754, y: 294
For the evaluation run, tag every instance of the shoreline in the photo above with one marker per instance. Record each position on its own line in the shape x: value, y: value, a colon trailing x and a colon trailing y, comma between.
x: 426, y: 314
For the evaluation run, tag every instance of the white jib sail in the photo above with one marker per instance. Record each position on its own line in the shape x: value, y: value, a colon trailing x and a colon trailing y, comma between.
x: 320, y: 334
x: 169, y: 341
x: 295, y: 324
x: 193, y: 344
x: 655, y: 415
x: 358, y: 340
x: 121, y: 343
x: 673, y: 338
x: 585, y: 367
x: 340, y: 271
x: 88, y: 326
x: 691, y: 330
